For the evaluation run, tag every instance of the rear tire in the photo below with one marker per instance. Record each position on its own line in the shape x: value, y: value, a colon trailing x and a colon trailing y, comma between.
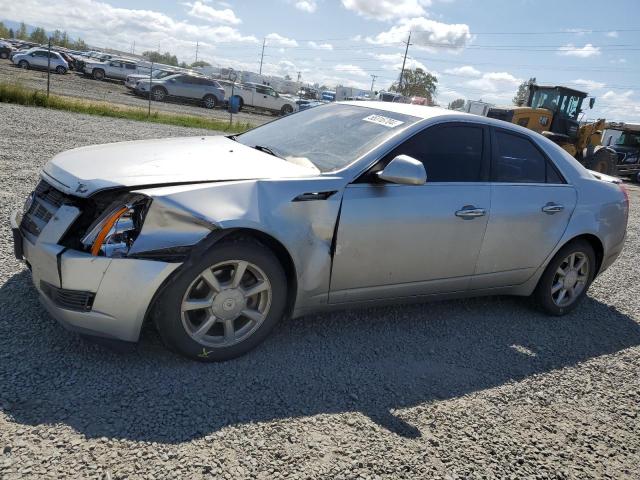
x: 602, y: 161
x: 60, y: 70
x: 578, y: 262
x: 4, y: 55
x: 24, y: 64
x: 98, y: 74
x: 181, y: 318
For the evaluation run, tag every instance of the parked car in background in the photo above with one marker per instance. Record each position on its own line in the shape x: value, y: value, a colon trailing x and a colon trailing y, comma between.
x: 116, y: 69
x: 262, y: 97
x: 133, y: 79
x: 624, y: 139
x: 39, y: 58
x: 218, y: 238
x: 306, y: 104
x: 69, y: 59
x: 183, y: 86
x: 5, y: 50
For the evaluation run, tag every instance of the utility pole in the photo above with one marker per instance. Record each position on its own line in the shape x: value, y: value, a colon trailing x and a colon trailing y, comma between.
x: 48, y: 66
x: 197, y: 46
x: 406, y: 50
x: 373, y: 79
x: 299, y: 73
x: 264, y: 40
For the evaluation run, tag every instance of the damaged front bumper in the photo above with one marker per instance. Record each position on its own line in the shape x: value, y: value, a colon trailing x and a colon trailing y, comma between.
x: 96, y: 296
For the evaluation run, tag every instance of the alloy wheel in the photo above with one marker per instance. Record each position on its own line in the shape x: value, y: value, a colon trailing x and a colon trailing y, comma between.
x: 570, y: 279
x: 226, y: 303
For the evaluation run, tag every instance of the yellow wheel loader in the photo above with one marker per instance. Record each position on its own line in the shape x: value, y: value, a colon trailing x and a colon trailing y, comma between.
x: 553, y: 111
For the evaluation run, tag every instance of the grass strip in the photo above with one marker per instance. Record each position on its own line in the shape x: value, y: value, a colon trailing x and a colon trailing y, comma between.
x: 18, y: 94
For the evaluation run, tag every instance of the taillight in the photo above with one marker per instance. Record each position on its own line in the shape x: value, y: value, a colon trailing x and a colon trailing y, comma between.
x: 626, y: 196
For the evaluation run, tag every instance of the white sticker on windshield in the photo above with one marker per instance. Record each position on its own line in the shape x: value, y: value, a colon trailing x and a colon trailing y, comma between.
x: 382, y: 120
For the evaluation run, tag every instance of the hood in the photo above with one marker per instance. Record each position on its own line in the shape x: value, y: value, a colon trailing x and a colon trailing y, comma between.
x: 86, y: 170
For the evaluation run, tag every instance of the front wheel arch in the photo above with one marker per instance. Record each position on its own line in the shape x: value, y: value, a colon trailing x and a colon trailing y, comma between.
x: 209, y: 242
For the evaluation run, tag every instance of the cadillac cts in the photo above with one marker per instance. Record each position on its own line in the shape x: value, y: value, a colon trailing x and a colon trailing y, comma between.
x: 216, y: 239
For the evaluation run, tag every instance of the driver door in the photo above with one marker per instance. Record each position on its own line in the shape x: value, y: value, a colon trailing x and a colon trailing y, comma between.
x: 396, y: 241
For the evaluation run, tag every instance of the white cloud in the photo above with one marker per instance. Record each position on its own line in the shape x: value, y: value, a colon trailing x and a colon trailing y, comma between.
x: 387, y: 9
x: 350, y: 69
x: 624, y: 106
x: 96, y: 21
x: 589, y: 84
x: 495, y: 82
x: 205, y: 12
x: 309, y: 6
x: 583, y: 52
x: 280, y: 41
x: 465, y: 71
x: 612, y: 34
x: 426, y: 34
x: 320, y: 46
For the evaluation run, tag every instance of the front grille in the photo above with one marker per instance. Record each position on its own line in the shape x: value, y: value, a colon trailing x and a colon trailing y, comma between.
x: 45, y: 203
x: 75, y: 300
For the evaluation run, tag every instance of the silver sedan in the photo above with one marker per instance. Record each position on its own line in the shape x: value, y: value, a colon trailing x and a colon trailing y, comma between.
x: 215, y: 239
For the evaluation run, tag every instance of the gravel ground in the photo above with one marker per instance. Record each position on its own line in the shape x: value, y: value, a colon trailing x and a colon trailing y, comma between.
x: 484, y: 388
x: 75, y: 85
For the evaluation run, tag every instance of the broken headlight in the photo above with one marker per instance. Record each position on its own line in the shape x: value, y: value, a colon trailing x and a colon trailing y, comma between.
x: 115, y: 230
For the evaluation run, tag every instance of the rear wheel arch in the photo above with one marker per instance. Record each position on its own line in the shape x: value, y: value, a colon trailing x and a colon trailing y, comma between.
x: 595, y: 243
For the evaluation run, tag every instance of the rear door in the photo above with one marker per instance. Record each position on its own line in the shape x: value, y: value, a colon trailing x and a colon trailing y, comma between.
x: 531, y: 205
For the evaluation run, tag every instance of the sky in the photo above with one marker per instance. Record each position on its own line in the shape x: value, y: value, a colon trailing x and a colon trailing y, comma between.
x: 478, y: 49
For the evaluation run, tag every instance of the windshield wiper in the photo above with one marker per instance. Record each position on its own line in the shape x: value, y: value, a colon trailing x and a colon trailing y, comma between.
x: 265, y: 149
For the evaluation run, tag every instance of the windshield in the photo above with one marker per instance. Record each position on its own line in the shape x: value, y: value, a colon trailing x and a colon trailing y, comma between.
x: 330, y: 136
x: 547, y: 98
x: 571, y: 106
x: 629, y: 139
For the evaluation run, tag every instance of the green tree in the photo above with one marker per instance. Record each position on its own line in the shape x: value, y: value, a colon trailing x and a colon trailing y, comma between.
x: 416, y: 83
x: 522, y: 95
x: 22, y: 31
x: 456, y: 104
x: 4, y: 31
x: 38, y: 35
x: 11, y: 34
x: 200, y: 63
x: 158, y: 57
x: 79, y: 44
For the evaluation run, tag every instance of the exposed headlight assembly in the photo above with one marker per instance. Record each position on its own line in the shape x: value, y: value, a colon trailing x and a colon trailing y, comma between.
x: 113, y: 233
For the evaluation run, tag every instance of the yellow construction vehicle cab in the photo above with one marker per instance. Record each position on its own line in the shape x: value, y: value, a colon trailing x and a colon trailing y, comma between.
x: 553, y: 111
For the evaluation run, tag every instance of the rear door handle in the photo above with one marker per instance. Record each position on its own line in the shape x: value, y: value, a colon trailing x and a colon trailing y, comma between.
x: 551, y: 208
x: 469, y: 212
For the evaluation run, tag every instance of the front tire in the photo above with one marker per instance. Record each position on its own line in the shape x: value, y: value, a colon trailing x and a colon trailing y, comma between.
x: 158, y: 94
x: 60, y: 70
x: 210, y: 101
x: 4, y: 55
x: 286, y: 110
x: 224, y: 304
x: 567, y: 278
x: 603, y: 161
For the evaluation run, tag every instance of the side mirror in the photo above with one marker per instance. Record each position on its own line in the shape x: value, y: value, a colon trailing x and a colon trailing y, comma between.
x: 404, y: 170
x: 592, y: 102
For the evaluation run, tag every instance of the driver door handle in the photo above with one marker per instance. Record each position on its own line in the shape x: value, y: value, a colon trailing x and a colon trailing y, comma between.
x: 551, y: 208
x: 469, y: 212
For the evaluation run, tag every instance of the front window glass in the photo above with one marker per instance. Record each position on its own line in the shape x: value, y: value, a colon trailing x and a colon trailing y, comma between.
x: 629, y: 139
x: 329, y: 137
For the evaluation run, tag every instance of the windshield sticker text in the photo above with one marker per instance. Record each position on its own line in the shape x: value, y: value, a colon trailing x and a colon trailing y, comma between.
x: 382, y: 120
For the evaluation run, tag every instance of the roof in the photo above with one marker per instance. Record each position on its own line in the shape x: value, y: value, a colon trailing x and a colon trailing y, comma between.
x: 420, y: 111
x: 573, y: 90
x: 623, y: 126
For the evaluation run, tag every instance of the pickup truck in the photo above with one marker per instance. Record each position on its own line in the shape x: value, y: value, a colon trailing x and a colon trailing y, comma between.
x: 114, y: 68
x: 261, y: 97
